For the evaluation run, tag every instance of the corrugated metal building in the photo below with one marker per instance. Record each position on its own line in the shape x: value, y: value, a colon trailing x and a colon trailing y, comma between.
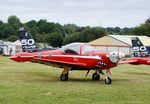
x: 119, y: 43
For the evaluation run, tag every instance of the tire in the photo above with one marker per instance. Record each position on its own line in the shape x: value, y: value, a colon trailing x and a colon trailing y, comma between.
x: 95, y: 76
x: 108, y: 80
x: 64, y: 77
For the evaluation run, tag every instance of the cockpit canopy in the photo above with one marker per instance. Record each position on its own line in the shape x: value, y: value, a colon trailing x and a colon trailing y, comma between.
x: 78, y: 48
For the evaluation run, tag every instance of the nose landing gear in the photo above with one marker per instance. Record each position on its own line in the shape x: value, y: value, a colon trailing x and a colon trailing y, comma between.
x: 108, y: 80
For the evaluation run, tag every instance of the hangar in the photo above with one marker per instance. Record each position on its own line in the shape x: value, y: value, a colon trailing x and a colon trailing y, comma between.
x: 119, y: 43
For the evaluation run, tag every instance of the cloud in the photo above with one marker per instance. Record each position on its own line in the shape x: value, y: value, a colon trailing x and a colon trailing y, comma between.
x: 123, y: 13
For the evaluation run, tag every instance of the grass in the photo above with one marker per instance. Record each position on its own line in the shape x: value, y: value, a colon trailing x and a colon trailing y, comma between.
x: 30, y: 83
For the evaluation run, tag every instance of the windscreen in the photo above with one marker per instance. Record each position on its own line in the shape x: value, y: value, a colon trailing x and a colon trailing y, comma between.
x: 73, y: 48
x: 87, y: 49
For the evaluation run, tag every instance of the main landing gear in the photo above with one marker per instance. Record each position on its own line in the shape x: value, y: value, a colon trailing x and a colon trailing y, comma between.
x: 64, y: 75
x: 96, y: 76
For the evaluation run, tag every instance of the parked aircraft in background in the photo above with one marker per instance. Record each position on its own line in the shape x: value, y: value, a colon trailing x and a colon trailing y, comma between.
x: 141, y: 53
x: 75, y: 56
x: 28, y: 43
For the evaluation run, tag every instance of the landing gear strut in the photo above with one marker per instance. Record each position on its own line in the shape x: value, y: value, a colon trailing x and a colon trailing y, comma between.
x: 64, y: 75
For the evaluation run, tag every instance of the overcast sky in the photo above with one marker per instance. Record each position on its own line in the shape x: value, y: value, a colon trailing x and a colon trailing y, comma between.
x: 106, y: 13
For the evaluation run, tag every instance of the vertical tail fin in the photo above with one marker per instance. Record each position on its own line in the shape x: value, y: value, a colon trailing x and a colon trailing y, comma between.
x: 136, y: 42
x: 28, y: 43
x: 139, y: 50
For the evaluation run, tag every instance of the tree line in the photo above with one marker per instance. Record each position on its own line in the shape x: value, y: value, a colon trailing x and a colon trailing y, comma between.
x: 57, y: 35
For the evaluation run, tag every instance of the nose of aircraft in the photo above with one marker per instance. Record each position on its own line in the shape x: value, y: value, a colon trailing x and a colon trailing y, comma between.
x: 116, y: 56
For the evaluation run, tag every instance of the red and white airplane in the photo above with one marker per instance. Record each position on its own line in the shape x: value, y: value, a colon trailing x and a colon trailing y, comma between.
x: 74, y: 56
x: 141, y: 53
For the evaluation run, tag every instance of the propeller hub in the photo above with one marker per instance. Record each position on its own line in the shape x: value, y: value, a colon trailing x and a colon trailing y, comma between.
x: 116, y: 56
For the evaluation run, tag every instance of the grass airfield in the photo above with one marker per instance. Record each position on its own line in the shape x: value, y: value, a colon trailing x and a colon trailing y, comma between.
x: 30, y: 83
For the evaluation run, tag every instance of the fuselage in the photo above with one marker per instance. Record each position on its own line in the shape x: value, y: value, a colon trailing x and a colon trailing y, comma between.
x: 91, y: 60
x: 74, y: 55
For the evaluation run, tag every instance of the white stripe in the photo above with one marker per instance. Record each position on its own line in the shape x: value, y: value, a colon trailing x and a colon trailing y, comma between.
x: 74, y: 56
x: 87, y: 57
x: 26, y: 56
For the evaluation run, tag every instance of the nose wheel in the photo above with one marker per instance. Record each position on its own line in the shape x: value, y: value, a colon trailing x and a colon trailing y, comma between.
x: 108, y: 80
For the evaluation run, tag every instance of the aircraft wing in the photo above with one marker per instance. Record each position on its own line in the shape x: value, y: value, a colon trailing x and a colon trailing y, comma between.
x: 129, y: 61
x: 58, y: 62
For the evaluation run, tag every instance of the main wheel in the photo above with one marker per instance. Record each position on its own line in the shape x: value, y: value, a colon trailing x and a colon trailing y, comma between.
x: 64, y: 77
x: 108, y: 80
x: 95, y: 76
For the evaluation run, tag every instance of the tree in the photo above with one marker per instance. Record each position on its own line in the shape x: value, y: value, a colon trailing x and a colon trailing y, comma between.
x: 90, y: 34
x: 148, y: 20
x: 34, y: 31
x: 55, y: 39
x: 60, y: 29
x: 46, y: 27
x: 117, y: 29
x: 12, y: 38
x: 143, y: 29
x: 14, y: 22
x: 1, y: 23
x: 31, y: 23
x: 8, y: 31
x: 126, y: 31
x: 1, y: 29
x: 70, y: 28
x: 86, y: 35
x: 75, y: 37
x: 112, y: 30
x: 80, y: 29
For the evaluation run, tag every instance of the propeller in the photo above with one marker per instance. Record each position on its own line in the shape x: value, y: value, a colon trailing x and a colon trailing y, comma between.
x: 116, y: 56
